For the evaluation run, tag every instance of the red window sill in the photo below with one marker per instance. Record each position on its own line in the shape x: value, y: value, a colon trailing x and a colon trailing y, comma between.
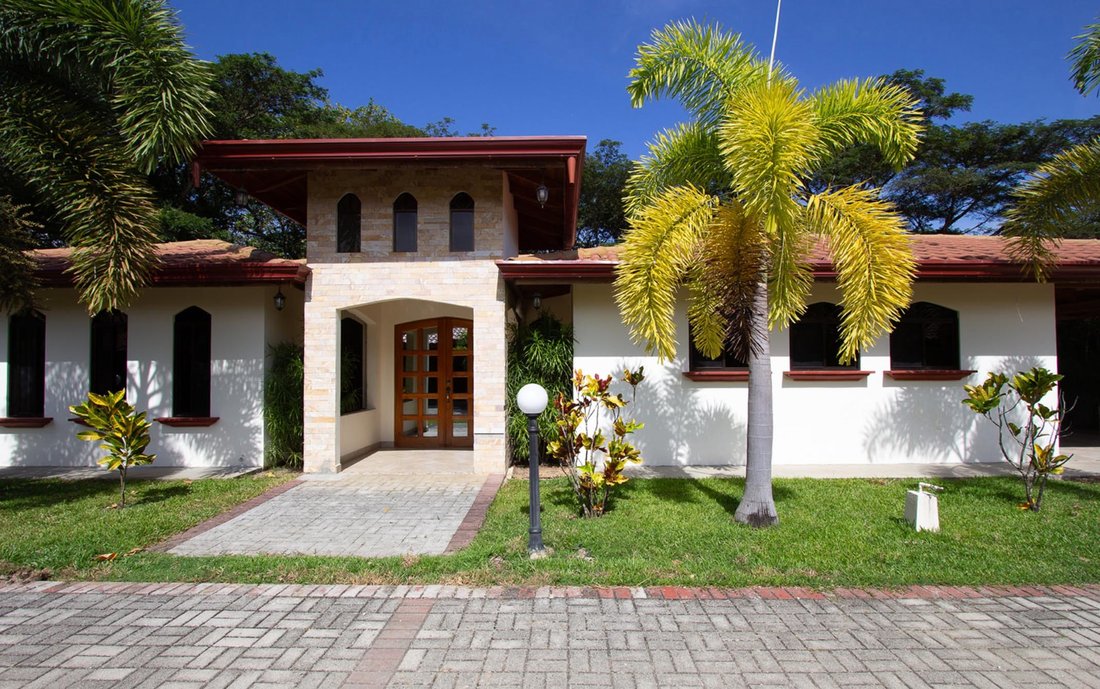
x: 24, y: 421
x: 187, y: 421
x: 827, y: 374
x: 717, y: 376
x: 928, y: 374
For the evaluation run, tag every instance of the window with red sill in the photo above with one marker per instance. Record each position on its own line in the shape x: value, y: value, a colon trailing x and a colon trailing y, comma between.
x: 925, y: 344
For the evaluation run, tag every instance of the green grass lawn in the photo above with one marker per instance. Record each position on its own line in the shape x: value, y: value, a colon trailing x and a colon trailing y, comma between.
x: 660, y: 531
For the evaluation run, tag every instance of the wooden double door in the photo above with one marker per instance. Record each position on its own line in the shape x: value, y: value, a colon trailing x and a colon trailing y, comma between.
x: 434, y: 398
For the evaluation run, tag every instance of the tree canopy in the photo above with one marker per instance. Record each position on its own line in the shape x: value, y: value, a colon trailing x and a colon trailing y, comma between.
x: 601, y: 217
x: 963, y: 175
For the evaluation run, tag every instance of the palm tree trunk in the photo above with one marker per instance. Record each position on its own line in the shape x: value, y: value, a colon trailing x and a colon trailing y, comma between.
x: 757, y: 507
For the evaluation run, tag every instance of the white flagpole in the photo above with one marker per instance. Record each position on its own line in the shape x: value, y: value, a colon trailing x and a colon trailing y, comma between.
x: 775, y: 36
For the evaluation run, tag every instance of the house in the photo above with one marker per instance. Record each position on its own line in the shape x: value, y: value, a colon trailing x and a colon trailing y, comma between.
x: 191, y: 350
x: 421, y: 251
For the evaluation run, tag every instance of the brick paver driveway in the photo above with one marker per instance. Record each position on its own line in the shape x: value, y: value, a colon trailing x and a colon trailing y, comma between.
x: 393, y: 503
x: 210, y: 635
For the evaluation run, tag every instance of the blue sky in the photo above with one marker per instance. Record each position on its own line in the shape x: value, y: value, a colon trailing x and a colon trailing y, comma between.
x: 539, y: 68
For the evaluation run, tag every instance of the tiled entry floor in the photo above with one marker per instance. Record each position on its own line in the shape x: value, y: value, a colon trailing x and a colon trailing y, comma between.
x: 391, y: 503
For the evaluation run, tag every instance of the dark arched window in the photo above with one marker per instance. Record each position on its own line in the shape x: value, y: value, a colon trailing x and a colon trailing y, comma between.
x: 462, y: 222
x: 352, y: 393
x: 191, y: 363
x: 27, y: 365
x: 348, y: 224
x: 926, y: 337
x: 108, y: 360
x: 815, y: 339
x: 404, y: 223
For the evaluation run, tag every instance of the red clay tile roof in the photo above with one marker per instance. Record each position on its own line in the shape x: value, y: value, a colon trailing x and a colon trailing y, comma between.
x: 958, y: 257
x: 197, y: 262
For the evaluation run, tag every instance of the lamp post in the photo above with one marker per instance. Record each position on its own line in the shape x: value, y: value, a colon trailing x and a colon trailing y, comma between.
x: 532, y: 400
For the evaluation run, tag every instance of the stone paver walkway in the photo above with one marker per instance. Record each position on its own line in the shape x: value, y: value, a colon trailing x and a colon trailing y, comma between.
x: 365, y: 516
x: 211, y: 635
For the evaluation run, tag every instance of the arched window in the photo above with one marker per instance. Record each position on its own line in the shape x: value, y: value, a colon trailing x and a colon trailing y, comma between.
x: 108, y: 361
x: 27, y: 365
x: 404, y: 223
x: 462, y: 222
x: 926, y: 337
x: 348, y: 224
x: 815, y: 339
x: 191, y: 363
x: 352, y: 392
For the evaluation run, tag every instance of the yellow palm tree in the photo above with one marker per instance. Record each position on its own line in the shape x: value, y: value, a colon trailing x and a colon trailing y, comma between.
x: 719, y: 206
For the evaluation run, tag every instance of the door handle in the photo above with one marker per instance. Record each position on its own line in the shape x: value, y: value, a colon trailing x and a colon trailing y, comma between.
x: 447, y: 391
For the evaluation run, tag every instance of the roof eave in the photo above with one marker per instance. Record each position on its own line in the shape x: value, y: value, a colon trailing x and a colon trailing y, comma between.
x: 960, y: 271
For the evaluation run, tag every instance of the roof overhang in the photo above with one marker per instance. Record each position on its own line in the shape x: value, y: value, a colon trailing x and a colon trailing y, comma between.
x: 940, y: 258
x: 604, y: 271
x: 276, y: 172
x: 199, y: 263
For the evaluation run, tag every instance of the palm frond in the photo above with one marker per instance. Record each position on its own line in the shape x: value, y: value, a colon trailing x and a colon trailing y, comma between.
x: 134, y: 49
x: 734, y: 254
x: 708, y: 326
x: 1085, y: 57
x: 658, y: 251
x: 873, y: 260
x: 790, y: 278
x: 686, y: 154
x: 873, y: 112
x: 1061, y: 187
x: 767, y: 140
x: 701, y: 66
x: 81, y: 171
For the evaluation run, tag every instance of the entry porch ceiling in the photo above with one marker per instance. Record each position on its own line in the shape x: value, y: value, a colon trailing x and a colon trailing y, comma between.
x: 276, y: 172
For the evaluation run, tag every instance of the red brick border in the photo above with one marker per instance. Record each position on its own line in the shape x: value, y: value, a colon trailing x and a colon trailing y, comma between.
x: 475, y: 516
x: 219, y: 519
x: 388, y: 649
x: 437, y: 591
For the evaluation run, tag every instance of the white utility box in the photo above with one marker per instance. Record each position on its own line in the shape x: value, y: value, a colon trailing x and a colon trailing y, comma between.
x: 922, y: 509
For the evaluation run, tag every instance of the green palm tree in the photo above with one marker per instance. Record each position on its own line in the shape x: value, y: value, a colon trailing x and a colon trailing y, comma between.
x: 719, y: 206
x: 92, y: 94
x: 1066, y: 187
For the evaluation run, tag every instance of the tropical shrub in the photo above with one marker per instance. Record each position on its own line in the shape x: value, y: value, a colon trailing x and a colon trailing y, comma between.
x: 539, y: 352
x: 123, y: 433
x: 1030, y: 448
x: 593, y: 461
x: 283, y: 406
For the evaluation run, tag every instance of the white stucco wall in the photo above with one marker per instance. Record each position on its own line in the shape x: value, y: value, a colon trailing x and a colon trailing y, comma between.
x: 240, y: 325
x: 1005, y: 326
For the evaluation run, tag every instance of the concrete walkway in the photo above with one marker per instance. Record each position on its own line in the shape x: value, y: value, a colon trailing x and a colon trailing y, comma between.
x: 391, y: 503
x: 189, y: 636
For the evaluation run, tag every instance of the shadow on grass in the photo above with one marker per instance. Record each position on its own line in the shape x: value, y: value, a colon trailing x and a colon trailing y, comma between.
x: 1011, y: 488
x: 146, y: 494
x: 22, y: 494
x: 673, y: 490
